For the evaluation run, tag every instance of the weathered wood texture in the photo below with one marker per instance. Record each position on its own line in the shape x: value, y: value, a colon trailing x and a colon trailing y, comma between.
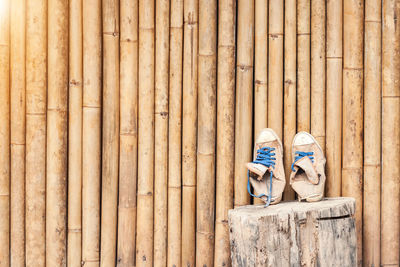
x: 294, y: 234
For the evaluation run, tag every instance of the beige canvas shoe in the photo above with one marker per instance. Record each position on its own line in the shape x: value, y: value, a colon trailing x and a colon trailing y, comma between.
x: 266, y: 173
x: 308, y: 169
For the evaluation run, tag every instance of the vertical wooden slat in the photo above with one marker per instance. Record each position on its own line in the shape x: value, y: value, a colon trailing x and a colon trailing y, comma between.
x: 110, y: 133
x: 144, y: 238
x: 260, y: 66
x: 334, y: 97
x: 161, y: 132
x: 128, y: 133
x: 372, y: 133
x: 206, y: 133
x: 174, y: 136
x: 5, y: 133
x: 390, y: 228
x: 303, y: 65
x: 35, y: 177
x: 260, y: 70
x: 17, y: 131
x: 225, y: 129
x: 57, y: 106
x: 91, y: 132
x: 318, y: 78
x: 352, y: 182
x: 74, y: 250
x: 275, y: 69
x: 244, y: 99
x: 189, y: 131
x: 289, y: 98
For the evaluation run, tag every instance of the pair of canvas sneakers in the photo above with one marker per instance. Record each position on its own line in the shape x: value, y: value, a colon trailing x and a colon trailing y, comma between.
x: 267, y: 176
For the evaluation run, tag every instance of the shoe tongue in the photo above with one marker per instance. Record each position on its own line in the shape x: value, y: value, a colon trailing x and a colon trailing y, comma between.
x: 306, y: 165
x: 257, y: 168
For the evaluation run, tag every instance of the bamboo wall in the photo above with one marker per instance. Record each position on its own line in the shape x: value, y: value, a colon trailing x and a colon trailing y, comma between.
x: 125, y: 124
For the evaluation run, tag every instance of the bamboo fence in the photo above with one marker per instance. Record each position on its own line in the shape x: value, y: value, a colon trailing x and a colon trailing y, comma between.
x: 352, y: 168
x: 91, y: 132
x: 17, y: 132
x: 35, y: 176
x: 390, y: 228
x: 125, y: 125
x: 74, y: 249
x: 175, y: 136
x: 372, y: 132
x: 128, y: 133
x: 161, y: 132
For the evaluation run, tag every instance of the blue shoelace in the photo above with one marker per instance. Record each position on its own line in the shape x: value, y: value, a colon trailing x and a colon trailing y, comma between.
x: 300, y: 155
x: 265, y: 157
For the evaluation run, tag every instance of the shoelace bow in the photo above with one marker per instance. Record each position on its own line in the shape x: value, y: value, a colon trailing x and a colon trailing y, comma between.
x: 300, y: 155
x: 265, y: 157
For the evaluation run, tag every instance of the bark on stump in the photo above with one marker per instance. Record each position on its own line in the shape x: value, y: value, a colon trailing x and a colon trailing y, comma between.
x: 294, y: 234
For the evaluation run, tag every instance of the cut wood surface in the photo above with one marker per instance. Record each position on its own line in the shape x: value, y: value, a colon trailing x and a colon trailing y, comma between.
x: 294, y: 234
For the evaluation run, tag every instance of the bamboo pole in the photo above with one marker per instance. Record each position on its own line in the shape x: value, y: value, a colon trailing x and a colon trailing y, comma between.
x: 17, y: 131
x: 174, y: 136
x: 74, y: 249
x: 144, y: 238
x: 260, y: 70
x: 91, y: 132
x: 110, y: 133
x: 128, y: 133
x: 35, y: 179
x: 56, y: 159
x: 189, y: 131
x: 390, y: 134
x: 353, y: 20
x: 244, y: 99
x: 5, y: 133
x: 372, y: 133
x: 260, y: 66
x: 318, y: 74
x: 225, y: 129
x: 275, y: 70
x: 205, y: 204
x: 161, y: 117
x: 289, y: 100
x: 303, y: 65
x: 334, y: 98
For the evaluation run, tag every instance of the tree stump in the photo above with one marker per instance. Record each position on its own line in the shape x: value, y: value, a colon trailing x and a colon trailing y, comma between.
x: 294, y: 234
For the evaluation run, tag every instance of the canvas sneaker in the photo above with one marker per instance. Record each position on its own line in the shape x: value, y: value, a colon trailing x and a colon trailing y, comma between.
x: 266, y: 173
x: 308, y: 169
